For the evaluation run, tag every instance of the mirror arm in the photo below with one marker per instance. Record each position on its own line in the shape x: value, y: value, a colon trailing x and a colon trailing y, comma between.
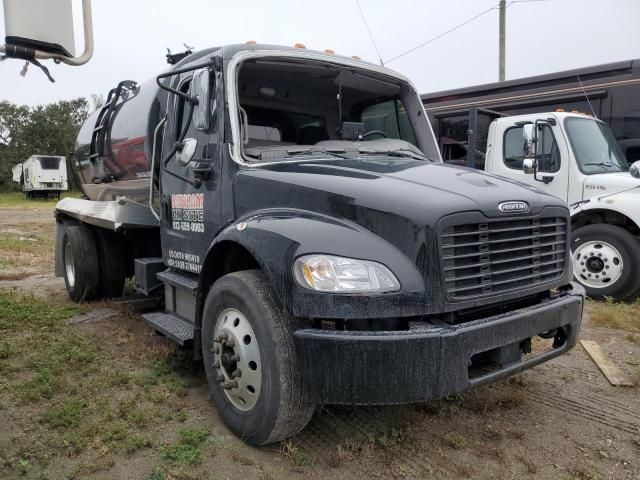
x: 178, y: 71
x: 196, y: 183
x: 73, y: 61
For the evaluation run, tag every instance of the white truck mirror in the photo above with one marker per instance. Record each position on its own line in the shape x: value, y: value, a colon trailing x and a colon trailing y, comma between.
x: 528, y: 166
x: 634, y: 170
x: 43, y: 29
x: 528, y: 140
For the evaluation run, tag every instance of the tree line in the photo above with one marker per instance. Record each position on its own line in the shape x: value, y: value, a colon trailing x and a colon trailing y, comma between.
x: 43, y: 129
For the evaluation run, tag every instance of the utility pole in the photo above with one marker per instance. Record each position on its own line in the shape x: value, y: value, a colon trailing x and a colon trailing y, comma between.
x: 502, y: 35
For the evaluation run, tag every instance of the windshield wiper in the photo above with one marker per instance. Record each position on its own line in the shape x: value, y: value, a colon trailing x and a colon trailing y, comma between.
x: 403, y: 152
x: 312, y: 151
x: 602, y: 164
x: 276, y: 155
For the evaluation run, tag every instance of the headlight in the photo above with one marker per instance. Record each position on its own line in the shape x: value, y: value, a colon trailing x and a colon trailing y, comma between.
x: 327, y: 273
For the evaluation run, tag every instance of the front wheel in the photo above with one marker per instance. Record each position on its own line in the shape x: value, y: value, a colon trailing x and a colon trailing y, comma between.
x: 605, y: 261
x: 250, y: 361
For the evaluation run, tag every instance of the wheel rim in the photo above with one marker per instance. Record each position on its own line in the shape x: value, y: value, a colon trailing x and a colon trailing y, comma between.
x: 236, y: 358
x: 69, y: 266
x: 597, y: 264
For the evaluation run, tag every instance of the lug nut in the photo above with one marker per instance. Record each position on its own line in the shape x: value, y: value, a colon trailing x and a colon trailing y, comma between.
x: 216, y: 364
x: 236, y: 357
x: 237, y: 373
x: 230, y: 385
x: 217, y: 339
x: 216, y: 349
x: 230, y: 343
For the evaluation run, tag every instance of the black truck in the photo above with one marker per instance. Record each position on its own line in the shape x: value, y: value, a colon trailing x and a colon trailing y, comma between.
x: 292, y: 210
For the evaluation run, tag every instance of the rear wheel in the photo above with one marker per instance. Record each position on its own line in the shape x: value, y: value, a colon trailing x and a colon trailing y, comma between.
x: 605, y: 261
x: 250, y: 361
x: 80, y: 260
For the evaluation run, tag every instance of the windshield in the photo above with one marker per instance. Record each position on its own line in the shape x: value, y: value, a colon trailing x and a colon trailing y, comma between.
x: 314, y: 109
x: 594, y: 146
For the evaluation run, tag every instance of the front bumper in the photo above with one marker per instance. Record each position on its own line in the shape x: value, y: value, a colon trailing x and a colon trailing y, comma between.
x: 429, y: 362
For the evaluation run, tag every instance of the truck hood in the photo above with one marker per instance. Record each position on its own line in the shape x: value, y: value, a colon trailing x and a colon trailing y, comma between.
x: 601, y: 184
x: 374, y: 191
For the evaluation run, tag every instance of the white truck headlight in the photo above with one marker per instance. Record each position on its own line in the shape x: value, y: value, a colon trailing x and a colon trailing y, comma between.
x: 328, y: 273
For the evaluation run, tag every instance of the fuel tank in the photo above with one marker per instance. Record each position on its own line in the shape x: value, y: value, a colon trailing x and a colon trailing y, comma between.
x: 115, y: 144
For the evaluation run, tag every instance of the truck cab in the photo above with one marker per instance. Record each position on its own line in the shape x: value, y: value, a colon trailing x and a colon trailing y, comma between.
x: 290, y: 210
x: 575, y: 158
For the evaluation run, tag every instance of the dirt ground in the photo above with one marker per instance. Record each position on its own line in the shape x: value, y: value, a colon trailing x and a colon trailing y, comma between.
x: 561, y: 420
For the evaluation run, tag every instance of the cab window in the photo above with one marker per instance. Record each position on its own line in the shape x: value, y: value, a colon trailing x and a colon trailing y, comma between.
x: 548, y: 154
x: 389, y: 117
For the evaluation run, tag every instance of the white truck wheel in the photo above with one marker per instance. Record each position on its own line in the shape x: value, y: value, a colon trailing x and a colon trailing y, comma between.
x: 605, y: 261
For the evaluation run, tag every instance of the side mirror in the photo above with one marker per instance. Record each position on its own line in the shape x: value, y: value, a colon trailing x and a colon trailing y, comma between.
x: 187, y: 151
x: 528, y: 137
x: 201, y: 88
x: 634, y: 170
x: 529, y: 166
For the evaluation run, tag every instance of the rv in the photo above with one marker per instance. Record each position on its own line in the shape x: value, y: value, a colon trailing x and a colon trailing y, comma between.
x: 42, y: 176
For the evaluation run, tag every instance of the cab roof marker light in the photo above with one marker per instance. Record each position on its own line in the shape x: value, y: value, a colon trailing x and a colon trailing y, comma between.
x: 299, y: 45
x: 250, y: 42
x: 328, y: 51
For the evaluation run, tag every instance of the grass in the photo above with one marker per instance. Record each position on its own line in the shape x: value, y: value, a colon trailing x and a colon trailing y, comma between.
x: 17, y: 199
x: 78, y: 401
x: 300, y: 457
x: 188, y: 450
x: 25, y: 254
x: 612, y: 314
x: 581, y: 473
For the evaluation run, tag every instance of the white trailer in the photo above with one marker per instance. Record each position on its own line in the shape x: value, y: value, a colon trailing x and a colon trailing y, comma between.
x: 42, y: 175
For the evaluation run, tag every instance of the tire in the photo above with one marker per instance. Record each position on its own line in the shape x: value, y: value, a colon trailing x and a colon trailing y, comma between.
x: 80, y: 261
x: 284, y: 403
x: 605, y: 259
x: 111, y: 263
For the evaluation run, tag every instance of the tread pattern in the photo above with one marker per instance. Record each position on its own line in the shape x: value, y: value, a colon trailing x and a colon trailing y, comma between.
x: 296, y: 410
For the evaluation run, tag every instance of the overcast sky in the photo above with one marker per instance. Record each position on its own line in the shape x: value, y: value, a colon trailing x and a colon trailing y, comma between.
x: 131, y: 38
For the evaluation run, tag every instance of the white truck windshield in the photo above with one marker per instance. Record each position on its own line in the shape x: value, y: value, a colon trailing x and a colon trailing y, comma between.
x: 594, y: 146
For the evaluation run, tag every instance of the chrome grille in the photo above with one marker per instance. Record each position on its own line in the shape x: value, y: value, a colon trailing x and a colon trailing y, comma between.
x: 495, y: 256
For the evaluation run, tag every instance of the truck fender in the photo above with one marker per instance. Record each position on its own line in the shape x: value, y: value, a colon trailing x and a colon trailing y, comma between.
x: 275, y: 238
x: 621, y: 204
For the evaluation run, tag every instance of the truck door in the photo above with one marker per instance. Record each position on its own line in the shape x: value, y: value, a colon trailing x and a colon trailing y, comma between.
x: 552, y: 157
x: 189, y: 182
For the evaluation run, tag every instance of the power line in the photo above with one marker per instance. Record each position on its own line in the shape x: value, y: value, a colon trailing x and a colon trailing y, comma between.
x: 453, y: 29
x: 373, y: 40
x: 442, y: 34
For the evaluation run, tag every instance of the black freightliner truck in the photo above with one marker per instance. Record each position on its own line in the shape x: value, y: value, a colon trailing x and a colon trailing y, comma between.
x: 292, y: 210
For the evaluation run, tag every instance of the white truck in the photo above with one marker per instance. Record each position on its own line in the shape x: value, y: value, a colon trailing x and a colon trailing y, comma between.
x: 575, y: 157
x: 42, y: 176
